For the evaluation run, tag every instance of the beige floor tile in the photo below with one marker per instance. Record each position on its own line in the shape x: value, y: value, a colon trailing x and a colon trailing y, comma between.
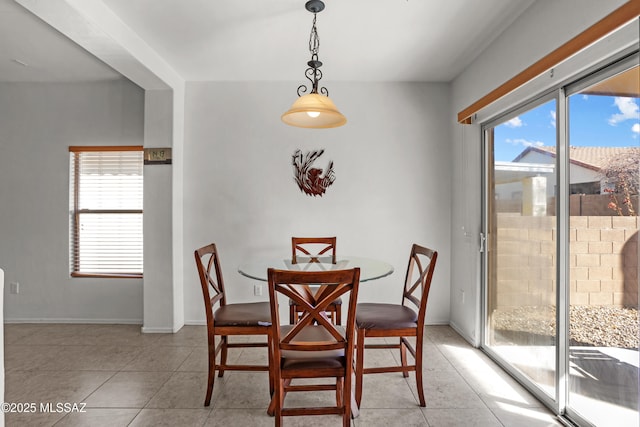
x: 128, y: 390
x: 160, y: 379
x: 310, y: 399
x: 442, y: 334
x: 391, y: 417
x: 525, y: 416
x: 478, y: 417
x: 434, y: 360
x: 39, y: 419
x: 56, y: 386
x: 58, y: 334
x: 374, y: 357
x: 15, y: 332
x: 495, y: 386
x: 447, y: 390
x: 387, y: 391
x: 184, y: 390
x: 92, y: 358
x: 242, y: 390
x: 29, y: 357
x: 253, y: 356
x: 233, y: 417
x: 124, y: 335
x: 170, y: 418
x: 197, y: 361
x: 99, y: 417
x: 159, y: 358
x: 189, y: 336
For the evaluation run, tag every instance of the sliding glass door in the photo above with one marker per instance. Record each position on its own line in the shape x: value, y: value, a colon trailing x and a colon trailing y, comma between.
x: 604, y: 138
x: 561, y: 228
x: 520, y: 288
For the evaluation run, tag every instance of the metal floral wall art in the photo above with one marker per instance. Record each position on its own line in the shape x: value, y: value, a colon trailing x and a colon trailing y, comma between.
x: 311, y: 180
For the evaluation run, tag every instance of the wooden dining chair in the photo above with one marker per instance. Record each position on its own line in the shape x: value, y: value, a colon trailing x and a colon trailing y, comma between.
x: 398, y: 320
x: 228, y: 320
x: 313, y: 347
x: 314, y: 249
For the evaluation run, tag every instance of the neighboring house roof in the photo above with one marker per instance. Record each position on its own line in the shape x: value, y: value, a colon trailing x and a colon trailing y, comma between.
x: 589, y: 157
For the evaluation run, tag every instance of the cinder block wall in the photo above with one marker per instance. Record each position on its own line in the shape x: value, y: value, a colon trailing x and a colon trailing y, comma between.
x: 603, y: 261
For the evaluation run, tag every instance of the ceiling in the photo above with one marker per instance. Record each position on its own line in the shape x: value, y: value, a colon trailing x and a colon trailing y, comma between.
x: 260, y: 40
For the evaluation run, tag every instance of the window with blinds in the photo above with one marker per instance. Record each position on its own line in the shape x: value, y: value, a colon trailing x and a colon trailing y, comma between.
x: 106, y: 211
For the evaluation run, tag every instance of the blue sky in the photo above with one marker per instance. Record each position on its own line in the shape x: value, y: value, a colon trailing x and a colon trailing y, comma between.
x: 594, y: 121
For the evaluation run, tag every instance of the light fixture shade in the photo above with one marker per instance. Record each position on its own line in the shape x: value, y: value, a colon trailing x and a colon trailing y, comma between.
x: 302, y: 111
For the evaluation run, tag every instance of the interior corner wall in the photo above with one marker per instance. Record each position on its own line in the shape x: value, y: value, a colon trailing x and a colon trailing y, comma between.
x: 38, y: 122
x: 158, y: 284
x: 393, y: 181
x: 542, y: 28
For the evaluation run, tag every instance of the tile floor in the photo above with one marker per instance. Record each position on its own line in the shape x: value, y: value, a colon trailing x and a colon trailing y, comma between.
x: 126, y: 378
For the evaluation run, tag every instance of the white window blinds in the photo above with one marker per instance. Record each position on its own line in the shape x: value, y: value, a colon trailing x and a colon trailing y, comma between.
x: 106, y: 189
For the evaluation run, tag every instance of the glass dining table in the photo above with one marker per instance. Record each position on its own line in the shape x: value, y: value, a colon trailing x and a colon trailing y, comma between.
x: 370, y: 269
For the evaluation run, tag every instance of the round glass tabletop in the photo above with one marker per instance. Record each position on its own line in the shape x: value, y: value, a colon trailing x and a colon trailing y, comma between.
x: 370, y: 269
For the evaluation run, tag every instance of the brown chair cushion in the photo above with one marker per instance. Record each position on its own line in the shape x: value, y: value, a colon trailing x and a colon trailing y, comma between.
x: 385, y: 316
x: 248, y: 314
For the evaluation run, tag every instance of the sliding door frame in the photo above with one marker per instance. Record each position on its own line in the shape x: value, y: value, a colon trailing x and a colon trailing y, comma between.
x: 487, y: 138
x: 561, y: 92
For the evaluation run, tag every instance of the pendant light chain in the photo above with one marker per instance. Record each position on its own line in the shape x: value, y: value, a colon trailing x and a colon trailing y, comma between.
x: 314, y: 39
x: 313, y: 73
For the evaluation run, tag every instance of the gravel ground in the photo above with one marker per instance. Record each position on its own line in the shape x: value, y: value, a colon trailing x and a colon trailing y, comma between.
x: 597, y: 326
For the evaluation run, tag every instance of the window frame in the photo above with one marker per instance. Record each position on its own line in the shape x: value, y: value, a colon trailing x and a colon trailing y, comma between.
x: 75, y: 212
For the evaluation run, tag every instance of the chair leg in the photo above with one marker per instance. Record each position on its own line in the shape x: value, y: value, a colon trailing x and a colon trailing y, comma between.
x: 278, y: 402
x: 419, y: 371
x: 270, y: 358
x: 211, y: 377
x: 346, y: 402
x: 338, y: 315
x: 403, y: 358
x: 223, y: 354
x: 346, y: 395
x: 359, y: 364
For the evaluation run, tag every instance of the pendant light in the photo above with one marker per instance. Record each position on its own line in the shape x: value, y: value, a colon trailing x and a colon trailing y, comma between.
x: 315, y: 109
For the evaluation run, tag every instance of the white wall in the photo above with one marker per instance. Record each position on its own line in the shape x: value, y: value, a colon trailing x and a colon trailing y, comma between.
x: 542, y: 28
x: 1, y: 345
x: 392, y: 163
x: 37, y: 124
x: 158, y: 288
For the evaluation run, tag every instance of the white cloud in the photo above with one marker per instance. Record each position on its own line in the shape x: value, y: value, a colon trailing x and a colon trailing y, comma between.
x: 629, y: 110
x: 585, y: 97
x: 636, y: 129
x: 524, y: 142
x: 553, y: 118
x: 514, y: 123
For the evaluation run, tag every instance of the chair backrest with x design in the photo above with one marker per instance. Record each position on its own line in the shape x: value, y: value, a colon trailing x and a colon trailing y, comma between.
x: 422, y: 263
x: 208, y: 264
x: 229, y: 320
x: 327, y: 286
x: 313, y: 248
x: 313, y: 347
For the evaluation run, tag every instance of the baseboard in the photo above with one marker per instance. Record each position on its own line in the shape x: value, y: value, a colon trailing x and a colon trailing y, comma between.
x: 78, y: 321
x: 437, y: 323
x: 195, y: 323
x: 157, y: 330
